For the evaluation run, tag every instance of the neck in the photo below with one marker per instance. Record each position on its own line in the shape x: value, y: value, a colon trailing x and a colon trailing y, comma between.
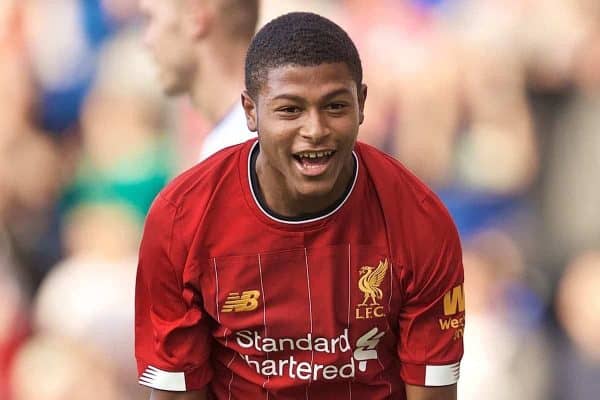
x: 219, y: 79
x: 286, y: 202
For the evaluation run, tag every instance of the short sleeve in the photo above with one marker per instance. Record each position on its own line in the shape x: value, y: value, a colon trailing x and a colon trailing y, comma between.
x: 172, y: 338
x: 432, y: 318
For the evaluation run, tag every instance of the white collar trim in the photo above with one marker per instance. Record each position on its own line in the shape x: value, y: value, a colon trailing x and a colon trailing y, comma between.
x: 303, y: 221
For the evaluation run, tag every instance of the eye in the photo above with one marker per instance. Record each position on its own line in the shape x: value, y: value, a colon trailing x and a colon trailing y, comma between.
x: 288, y: 109
x: 336, y: 107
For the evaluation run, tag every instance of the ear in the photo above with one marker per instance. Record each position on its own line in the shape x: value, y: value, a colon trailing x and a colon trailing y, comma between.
x: 197, y: 18
x: 250, y: 109
x: 362, y: 98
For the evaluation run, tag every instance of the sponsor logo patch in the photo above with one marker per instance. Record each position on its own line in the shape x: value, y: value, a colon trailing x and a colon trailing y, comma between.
x: 454, y: 301
x: 247, y: 301
x: 369, y: 284
x: 454, y: 307
x: 364, y: 351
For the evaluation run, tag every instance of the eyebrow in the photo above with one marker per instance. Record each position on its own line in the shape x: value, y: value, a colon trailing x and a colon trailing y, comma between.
x: 293, y: 97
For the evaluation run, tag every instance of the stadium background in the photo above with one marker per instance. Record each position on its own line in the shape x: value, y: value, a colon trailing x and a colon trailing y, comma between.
x: 494, y: 103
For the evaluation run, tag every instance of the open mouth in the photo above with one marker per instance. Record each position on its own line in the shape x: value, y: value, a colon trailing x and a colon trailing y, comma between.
x: 314, y: 162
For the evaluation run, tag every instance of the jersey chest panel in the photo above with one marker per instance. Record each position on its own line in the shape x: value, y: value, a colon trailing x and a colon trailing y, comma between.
x: 310, y: 314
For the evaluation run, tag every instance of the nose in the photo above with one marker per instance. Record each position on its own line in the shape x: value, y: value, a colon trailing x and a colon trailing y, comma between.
x: 315, y: 128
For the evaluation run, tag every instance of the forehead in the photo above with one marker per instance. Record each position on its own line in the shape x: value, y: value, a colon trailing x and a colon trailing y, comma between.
x: 308, y: 81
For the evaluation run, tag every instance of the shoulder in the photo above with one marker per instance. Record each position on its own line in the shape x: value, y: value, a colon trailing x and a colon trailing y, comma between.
x: 396, y: 183
x: 179, y: 209
x: 413, y: 212
x: 198, y: 184
x: 379, y: 163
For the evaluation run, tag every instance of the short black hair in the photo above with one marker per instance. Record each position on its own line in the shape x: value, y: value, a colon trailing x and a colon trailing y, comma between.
x: 299, y: 38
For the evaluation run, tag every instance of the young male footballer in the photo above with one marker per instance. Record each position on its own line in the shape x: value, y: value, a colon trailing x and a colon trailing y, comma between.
x: 302, y: 264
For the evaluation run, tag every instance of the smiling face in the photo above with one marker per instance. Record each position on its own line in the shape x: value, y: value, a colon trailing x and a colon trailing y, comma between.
x: 307, y: 120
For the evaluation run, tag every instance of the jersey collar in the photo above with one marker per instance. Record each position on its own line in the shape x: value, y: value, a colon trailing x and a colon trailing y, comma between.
x: 253, y: 184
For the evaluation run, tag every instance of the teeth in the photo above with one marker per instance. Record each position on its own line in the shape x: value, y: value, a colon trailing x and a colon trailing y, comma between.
x: 315, y: 154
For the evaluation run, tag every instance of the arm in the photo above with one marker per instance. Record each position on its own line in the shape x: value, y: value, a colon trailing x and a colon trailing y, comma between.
x: 164, y: 395
x: 432, y: 318
x: 172, y: 336
x: 431, y: 393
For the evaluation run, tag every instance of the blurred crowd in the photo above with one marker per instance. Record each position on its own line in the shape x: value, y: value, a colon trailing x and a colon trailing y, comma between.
x: 494, y: 103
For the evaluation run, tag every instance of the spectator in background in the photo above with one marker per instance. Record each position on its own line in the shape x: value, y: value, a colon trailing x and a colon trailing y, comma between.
x: 87, y: 298
x: 10, y: 24
x: 29, y: 180
x: 570, y: 193
x: 63, y: 39
x: 199, y: 47
x: 31, y: 172
x: 494, y: 158
x: 13, y: 315
x: 62, y: 58
x: 578, y: 310
x: 124, y: 158
x: 505, y: 341
x: 51, y: 368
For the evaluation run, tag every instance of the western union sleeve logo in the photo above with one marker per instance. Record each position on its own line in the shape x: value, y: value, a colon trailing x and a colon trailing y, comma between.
x: 247, y: 301
x: 454, y: 301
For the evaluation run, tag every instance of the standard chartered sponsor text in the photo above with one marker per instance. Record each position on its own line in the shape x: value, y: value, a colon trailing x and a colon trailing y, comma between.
x: 303, y: 370
x: 251, y: 339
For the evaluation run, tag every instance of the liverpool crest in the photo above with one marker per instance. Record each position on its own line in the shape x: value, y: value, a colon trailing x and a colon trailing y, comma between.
x: 369, y: 284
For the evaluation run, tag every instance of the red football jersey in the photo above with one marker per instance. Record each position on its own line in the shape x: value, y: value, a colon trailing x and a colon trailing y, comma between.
x: 352, y: 303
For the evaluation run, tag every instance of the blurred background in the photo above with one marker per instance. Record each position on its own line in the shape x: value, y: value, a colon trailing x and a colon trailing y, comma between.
x: 494, y: 103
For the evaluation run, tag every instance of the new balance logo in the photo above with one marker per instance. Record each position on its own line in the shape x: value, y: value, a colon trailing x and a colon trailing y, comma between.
x: 247, y: 301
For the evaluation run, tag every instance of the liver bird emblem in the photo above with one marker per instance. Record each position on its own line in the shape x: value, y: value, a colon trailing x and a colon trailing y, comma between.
x: 370, y: 281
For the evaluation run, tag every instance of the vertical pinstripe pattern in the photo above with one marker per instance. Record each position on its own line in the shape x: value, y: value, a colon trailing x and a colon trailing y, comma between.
x: 389, y: 310
x: 391, y: 286
x: 349, y: 285
x: 312, y: 352
x: 229, y: 364
x: 230, y: 380
x: 349, y: 307
x: 381, y: 374
x: 262, y: 293
x: 216, y: 289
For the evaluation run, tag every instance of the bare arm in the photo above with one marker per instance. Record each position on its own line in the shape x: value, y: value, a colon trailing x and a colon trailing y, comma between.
x: 431, y: 393
x: 164, y: 395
